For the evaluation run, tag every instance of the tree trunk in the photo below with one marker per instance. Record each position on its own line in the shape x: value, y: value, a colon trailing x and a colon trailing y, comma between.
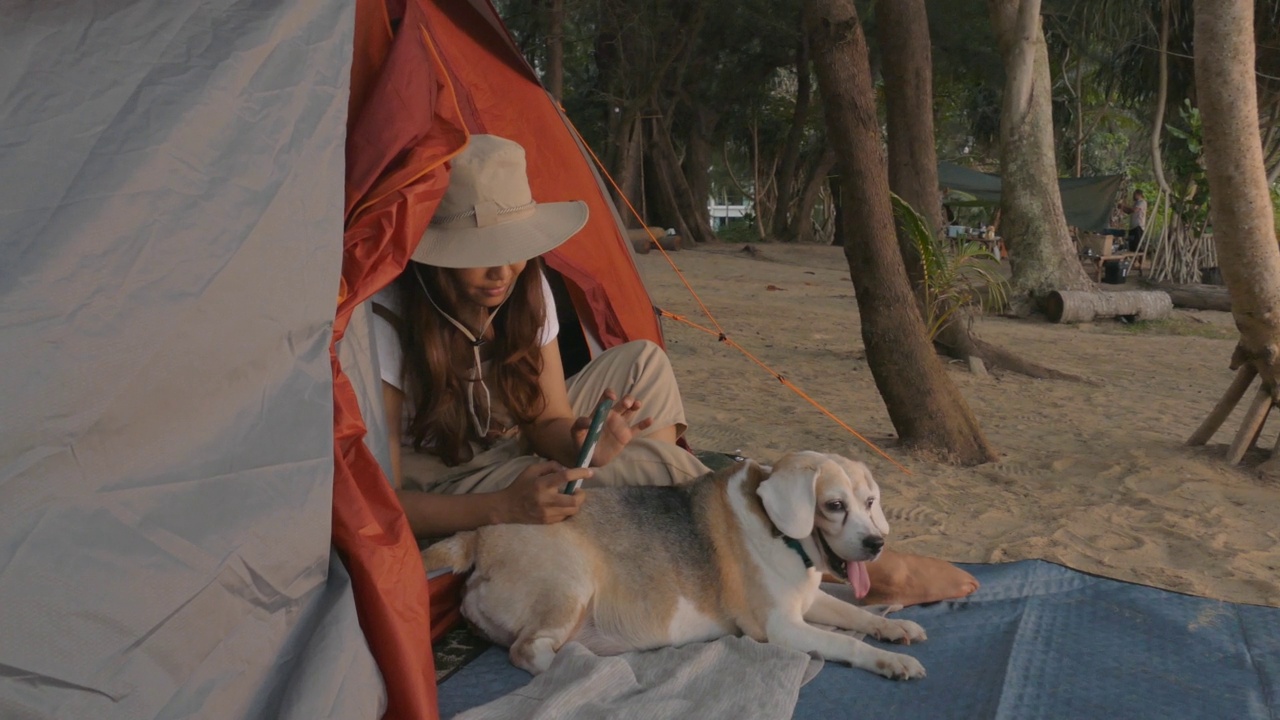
x: 785, y: 213
x: 903, y: 32
x: 697, y: 168
x: 800, y: 229
x: 629, y: 151
x: 694, y: 226
x: 1033, y: 225
x: 555, y: 50
x: 836, y: 186
x: 925, y: 407
x: 1243, y: 224
x: 1162, y: 96
x: 1197, y: 297
x: 1080, y: 115
x: 673, y: 187
x: 1073, y: 306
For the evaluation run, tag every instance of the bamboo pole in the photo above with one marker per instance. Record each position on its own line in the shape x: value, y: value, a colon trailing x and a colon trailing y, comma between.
x: 1244, y: 376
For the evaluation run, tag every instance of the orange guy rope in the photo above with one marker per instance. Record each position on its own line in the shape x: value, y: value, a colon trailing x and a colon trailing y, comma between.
x: 718, y: 331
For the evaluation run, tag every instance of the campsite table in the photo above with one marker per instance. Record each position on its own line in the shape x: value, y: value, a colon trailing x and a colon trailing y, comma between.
x: 1100, y: 260
x: 994, y: 245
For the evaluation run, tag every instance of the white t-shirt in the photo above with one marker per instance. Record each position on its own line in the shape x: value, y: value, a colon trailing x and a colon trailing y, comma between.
x: 391, y: 358
x: 1138, y: 218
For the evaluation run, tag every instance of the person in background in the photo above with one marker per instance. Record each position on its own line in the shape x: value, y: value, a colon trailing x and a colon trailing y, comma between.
x: 1137, y: 219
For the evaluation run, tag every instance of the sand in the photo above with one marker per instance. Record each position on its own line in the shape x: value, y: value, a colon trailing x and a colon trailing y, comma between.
x: 1093, y: 476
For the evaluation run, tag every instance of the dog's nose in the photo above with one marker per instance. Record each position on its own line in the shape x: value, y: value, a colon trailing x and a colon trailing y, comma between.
x: 873, y: 543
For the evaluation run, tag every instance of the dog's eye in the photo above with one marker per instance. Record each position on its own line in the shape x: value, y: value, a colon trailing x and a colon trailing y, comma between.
x: 870, y: 501
x: 835, y: 506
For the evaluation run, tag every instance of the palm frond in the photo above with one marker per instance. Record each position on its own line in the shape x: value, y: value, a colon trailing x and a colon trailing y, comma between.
x: 955, y: 276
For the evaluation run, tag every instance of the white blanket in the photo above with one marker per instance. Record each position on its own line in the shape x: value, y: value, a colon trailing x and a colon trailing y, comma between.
x: 729, y: 678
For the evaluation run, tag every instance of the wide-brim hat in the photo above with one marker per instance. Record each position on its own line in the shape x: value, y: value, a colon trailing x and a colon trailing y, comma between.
x: 488, y: 216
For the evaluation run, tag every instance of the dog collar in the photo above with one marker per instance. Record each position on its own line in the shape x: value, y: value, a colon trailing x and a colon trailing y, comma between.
x: 794, y: 544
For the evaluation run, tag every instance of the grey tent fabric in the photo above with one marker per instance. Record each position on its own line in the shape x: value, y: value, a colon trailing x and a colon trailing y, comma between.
x: 171, y: 228
x: 358, y: 355
x: 1087, y: 201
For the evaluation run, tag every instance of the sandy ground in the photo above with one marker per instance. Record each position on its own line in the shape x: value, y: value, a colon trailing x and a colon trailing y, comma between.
x: 1092, y: 476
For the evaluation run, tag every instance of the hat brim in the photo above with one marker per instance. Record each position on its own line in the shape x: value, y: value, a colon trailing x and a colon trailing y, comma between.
x: 502, y: 243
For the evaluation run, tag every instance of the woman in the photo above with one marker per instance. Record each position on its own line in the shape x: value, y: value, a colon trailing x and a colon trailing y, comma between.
x: 472, y: 373
x: 473, y: 376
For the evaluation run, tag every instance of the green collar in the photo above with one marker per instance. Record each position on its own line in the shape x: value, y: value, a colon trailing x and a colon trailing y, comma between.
x: 794, y: 544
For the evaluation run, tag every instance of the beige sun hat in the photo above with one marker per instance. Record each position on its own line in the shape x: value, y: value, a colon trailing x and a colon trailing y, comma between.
x: 488, y: 216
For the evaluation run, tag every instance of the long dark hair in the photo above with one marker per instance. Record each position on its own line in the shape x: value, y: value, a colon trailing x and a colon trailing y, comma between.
x: 438, y: 358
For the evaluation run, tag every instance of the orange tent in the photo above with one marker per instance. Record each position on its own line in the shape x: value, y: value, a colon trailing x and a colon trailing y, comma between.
x: 447, y: 69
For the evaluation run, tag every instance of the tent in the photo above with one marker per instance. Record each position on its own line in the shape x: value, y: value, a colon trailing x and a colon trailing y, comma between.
x: 1086, y: 201
x: 198, y: 199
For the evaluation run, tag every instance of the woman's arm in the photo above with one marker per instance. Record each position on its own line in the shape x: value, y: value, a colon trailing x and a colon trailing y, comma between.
x: 557, y: 433
x: 551, y: 433
x: 534, y: 496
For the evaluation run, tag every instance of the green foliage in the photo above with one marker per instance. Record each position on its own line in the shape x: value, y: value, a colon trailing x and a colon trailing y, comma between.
x: 739, y: 231
x: 1186, y: 169
x: 955, y: 276
x: 1275, y: 207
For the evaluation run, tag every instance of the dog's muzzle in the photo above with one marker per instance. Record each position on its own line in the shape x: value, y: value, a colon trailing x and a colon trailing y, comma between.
x: 871, y: 546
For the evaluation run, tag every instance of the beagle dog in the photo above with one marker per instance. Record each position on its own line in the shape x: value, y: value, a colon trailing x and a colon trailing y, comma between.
x: 740, y: 551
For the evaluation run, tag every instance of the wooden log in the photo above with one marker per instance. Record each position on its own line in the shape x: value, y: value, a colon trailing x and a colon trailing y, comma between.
x: 1197, y: 297
x: 1250, y: 426
x: 1072, y: 306
x: 642, y: 239
x: 1244, y: 376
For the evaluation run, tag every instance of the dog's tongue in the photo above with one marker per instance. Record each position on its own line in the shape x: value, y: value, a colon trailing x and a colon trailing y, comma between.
x: 858, y: 578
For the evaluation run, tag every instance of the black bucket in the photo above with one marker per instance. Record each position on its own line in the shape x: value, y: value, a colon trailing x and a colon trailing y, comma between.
x: 1211, y: 275
x: 1113, y: 272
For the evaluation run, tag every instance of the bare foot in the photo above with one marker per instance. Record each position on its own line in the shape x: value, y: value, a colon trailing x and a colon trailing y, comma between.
x: 902, y: 579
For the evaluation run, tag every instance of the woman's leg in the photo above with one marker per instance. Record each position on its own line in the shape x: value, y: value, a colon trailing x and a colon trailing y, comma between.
x: 640, y: 369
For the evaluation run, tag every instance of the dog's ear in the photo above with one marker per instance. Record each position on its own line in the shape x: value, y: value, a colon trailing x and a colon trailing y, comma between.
x: 790, y: 495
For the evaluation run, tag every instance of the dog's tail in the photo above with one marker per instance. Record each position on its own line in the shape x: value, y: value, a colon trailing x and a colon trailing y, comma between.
x: 457, y: 553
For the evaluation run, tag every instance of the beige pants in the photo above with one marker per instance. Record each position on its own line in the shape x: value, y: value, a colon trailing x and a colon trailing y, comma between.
x: 638, y: 368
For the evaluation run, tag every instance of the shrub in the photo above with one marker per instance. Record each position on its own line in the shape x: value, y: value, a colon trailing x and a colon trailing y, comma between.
x: 955, y: 275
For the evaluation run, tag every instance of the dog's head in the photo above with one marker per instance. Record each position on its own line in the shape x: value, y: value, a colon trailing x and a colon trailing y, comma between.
x: 831, y: 497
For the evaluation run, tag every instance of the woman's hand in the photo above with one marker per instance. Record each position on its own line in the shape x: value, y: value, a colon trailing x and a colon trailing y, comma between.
x: 619, y: 429
x: 536, y: 497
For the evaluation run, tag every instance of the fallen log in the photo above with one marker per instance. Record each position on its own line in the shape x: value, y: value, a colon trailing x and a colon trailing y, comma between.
x: 1197, y: 297
x: 1071, y: 306
x: 642, y: 239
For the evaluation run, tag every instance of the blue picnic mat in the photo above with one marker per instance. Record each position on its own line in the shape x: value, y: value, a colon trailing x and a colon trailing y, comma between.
x: 1036, y: 641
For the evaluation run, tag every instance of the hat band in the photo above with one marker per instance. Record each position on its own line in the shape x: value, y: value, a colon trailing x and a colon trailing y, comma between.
x: 483, y: 215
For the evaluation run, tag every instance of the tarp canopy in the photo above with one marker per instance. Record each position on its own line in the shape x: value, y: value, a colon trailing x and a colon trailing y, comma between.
x: 1086, y: 201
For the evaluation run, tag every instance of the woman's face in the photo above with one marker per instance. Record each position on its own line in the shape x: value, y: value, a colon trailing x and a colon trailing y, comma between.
x: 487, y: 287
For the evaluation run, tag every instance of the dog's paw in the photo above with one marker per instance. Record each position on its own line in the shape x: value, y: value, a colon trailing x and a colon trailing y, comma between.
x: 899, y: 631
x: 897, y: 666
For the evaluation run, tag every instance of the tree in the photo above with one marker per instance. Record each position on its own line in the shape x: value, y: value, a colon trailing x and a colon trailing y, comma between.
x: 902, y: 29
x: 1032, y: 221
x: 555, y: 49
x: 924, y: 405
x: 1241, y: 210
